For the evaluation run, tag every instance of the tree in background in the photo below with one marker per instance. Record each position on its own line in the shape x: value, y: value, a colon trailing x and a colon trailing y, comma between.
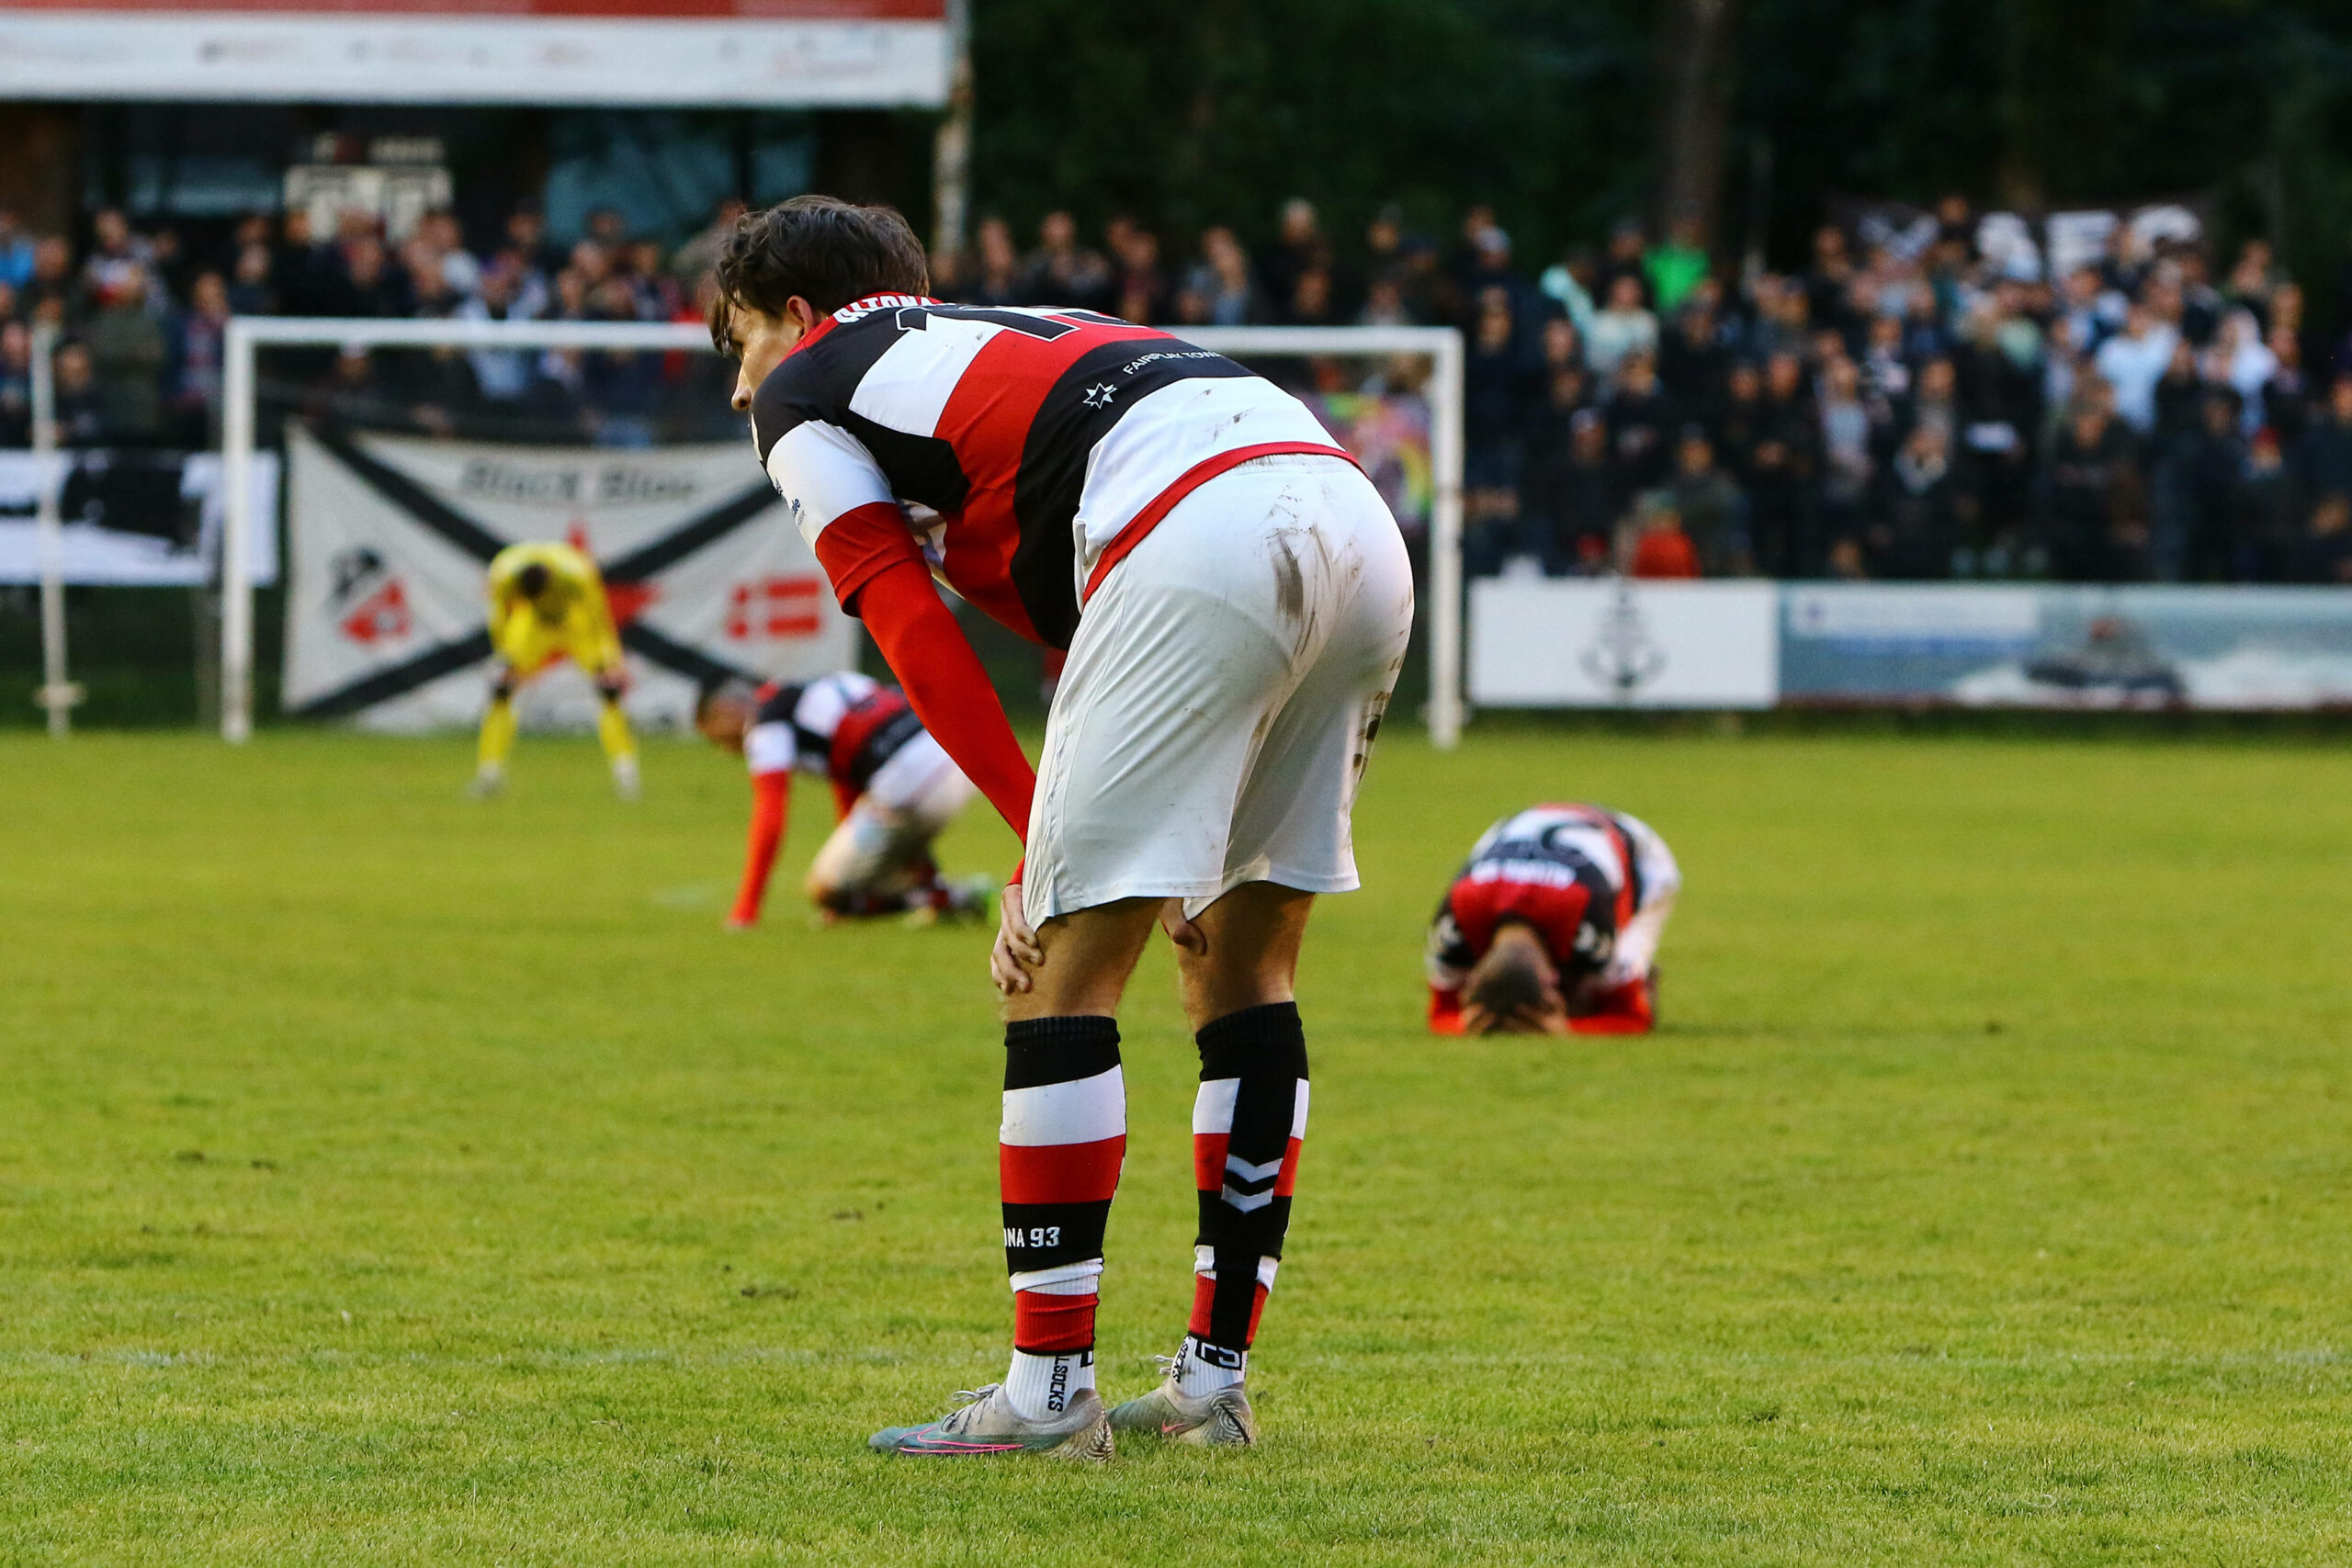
x: 1697, y: 40
x: 2039, y: 103
x: 1565, y: 117
x: 1213, y: 112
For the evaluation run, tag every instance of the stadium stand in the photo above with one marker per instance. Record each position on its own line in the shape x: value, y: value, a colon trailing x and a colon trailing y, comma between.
x: 1888, y: 413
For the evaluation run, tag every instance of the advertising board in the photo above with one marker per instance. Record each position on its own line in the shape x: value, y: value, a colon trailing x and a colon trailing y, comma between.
x: 1613, y: 642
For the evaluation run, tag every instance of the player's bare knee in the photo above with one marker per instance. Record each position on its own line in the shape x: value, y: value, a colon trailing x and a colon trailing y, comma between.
x: 1090, y: 954
x: 1250, y: 957
x: 1228, y: 980
x: 1075, y: 980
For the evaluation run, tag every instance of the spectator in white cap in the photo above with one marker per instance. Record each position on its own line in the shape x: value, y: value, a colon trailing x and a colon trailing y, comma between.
x: 2131, y: 362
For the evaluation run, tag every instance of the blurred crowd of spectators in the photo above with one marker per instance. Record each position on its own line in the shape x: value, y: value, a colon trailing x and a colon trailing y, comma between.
x: 1635, y: 408
x: 1639, y: 408
x: 141, y: 321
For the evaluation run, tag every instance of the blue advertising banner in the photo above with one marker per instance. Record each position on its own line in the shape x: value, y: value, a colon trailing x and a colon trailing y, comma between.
x: 2036, y: 646
x: 1610, y: 642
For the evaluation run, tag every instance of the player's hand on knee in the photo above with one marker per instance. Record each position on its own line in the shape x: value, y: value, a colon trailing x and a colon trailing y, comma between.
x: 1016, y: 950
x: 1185, y: 934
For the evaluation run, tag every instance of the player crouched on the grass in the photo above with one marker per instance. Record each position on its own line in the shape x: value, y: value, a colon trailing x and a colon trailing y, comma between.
x: 547, y: 602
x: 1553, y: 927
x: 894, y: 790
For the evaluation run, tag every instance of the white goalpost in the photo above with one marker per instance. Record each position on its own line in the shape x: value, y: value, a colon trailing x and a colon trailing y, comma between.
x: 1442, y: 347
x: 57, y: 694
x: 247, y: 335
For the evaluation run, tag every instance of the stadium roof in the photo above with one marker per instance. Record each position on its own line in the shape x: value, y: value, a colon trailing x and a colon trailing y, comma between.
x: 769, y: 53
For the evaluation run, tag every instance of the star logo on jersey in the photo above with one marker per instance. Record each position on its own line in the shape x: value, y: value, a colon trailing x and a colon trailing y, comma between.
x: 1099, y: 395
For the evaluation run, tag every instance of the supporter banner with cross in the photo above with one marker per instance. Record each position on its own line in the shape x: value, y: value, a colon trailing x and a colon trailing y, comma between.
x: 390, y: 538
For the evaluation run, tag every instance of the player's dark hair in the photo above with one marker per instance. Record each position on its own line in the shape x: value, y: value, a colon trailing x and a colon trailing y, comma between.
x: 827, y: 251
x: 1509, y: 981
x: 733, y: 689
x: 532, y: 580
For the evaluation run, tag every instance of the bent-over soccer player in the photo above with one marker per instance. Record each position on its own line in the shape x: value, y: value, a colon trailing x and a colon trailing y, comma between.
x: 547, y: 602
x: 1234, y: 599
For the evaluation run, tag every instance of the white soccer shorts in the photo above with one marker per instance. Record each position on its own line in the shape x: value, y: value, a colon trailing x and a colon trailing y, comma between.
x: 883, y: 847
x: 1222, y: 693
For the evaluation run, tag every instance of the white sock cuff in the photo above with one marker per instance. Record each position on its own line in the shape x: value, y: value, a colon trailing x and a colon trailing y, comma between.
x: 1204, y: 1265
x: 1196, y: 1374
x: 1062, y: 1279
x: 1039, y: 1386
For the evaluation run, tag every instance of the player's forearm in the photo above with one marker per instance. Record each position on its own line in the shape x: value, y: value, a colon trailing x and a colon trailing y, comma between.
x: 947, y: 687
x: 771, y: 796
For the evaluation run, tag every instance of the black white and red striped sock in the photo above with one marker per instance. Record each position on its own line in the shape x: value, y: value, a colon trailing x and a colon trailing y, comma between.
x: 1058, y: 1151
x: 1248, y: 1124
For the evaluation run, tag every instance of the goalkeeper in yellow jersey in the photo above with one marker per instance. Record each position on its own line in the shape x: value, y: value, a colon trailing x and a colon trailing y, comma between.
x: 546, y: 602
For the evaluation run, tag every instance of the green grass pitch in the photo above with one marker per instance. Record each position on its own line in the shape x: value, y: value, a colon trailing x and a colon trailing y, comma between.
x: 389, y: 1177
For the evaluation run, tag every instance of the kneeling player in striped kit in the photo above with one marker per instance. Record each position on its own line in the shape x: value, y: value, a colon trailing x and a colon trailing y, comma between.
x: 894, y: 792
x: 1553, y: 927
x: 1234, y: 598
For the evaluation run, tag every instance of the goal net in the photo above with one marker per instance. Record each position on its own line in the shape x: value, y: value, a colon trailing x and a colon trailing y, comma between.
x: 414, y: 451
x: 617, y: 437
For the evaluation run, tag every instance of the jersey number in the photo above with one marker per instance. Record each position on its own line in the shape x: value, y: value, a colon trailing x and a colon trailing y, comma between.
x: 913, y: 317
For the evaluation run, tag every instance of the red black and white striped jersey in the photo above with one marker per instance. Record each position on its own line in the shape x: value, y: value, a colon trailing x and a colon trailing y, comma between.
x: 840, y: 728
x: 1027, y: 449
x: 1575, y: 874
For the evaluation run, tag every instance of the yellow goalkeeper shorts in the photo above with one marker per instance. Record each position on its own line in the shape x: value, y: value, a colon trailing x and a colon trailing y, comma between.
x: 530, y: 645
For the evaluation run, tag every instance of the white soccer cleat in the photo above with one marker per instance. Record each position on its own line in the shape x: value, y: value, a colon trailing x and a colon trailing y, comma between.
x: 490, y: 783
x: 625, y: 781
x: 1220, y: 1419
x: 988, y: 1425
